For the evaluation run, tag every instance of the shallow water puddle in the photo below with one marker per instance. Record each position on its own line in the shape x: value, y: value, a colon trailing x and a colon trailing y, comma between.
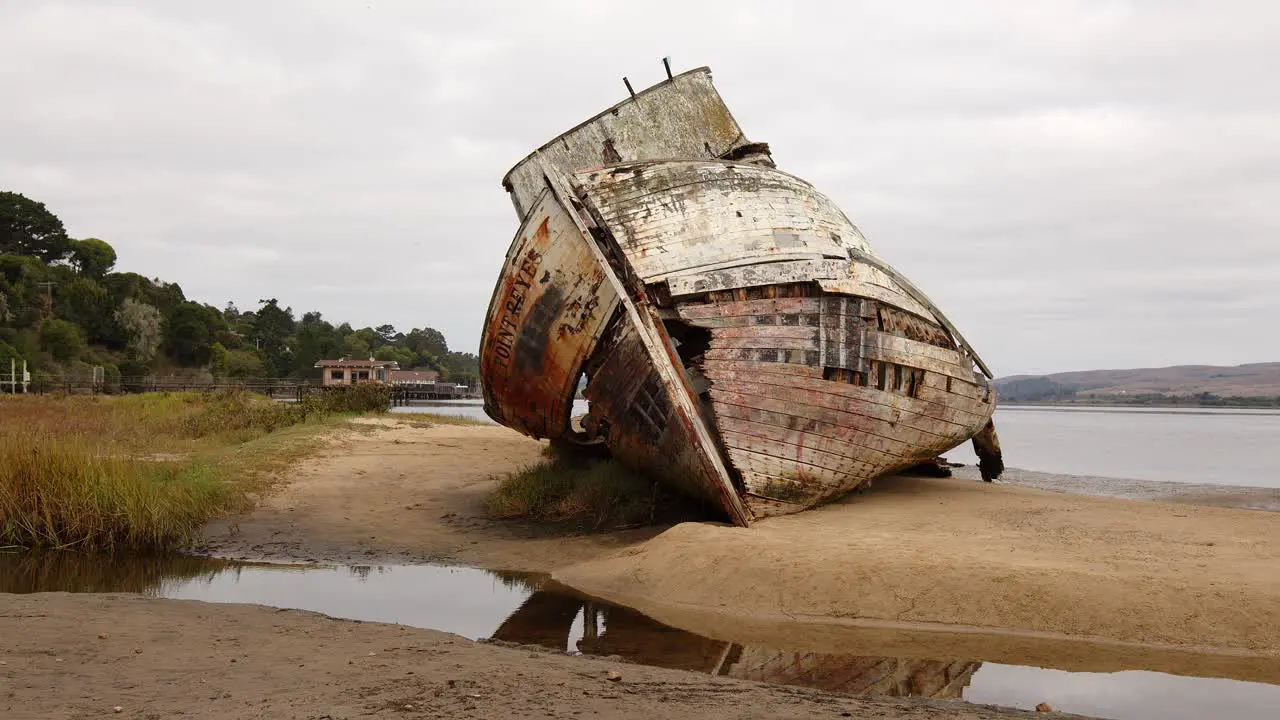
x: 511, y: 607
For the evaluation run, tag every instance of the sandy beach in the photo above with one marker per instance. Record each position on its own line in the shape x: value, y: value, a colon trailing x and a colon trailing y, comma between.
x: 83, y: 656
x: 987, y: 568
x: 967, y: 555
x: 402, y: 493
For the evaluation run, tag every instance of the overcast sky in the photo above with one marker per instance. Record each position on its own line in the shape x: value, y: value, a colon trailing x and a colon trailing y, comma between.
x: 1077, y: 184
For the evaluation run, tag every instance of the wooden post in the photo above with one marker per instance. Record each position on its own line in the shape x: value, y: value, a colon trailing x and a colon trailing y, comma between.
x: 590, y: 623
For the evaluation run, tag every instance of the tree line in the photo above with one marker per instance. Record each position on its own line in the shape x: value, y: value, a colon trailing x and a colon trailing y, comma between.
x: 64, y: 309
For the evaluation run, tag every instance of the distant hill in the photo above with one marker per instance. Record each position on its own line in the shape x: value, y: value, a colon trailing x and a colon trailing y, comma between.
x: 1256, y: 380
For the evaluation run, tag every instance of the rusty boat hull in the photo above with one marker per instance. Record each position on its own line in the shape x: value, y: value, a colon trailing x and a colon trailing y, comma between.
x: 739, y: 337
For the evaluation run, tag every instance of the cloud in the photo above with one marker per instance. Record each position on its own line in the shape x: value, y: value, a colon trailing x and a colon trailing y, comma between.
x: 1078, y: 184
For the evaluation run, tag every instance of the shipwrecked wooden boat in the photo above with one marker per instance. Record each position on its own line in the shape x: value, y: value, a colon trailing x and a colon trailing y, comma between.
x: 738, y: 336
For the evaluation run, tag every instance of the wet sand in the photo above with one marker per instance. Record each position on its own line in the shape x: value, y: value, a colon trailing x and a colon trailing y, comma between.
x: 1230, y: 496
x: 912, y: 555
x: 82, y: 656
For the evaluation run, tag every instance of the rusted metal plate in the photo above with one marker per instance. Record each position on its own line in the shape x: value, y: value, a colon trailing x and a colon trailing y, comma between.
x: 548, y: 310
x: 682, y: 117
x: 682, y: 217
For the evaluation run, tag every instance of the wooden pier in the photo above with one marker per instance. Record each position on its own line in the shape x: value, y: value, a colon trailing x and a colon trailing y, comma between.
x: 279, y: 389
x: 407, y: 393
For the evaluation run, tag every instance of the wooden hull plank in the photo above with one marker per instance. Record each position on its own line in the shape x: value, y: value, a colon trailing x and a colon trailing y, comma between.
x: 805, y: 442
x: 866, y: 281
x: 787, y: 370
x: 833, y: 473
x: 679, y: 217
x: 769, y: 355
x: 953, y: 386
x: 755, y: 275
x: 810, y: 433
x: 733, y: 336
x: 837, y: 410
x: 963, y: 396
x: 878, y: 403
x: 810, y: 483
x: 755, y: 342
x: 871, y: 439
x: 770, y: 307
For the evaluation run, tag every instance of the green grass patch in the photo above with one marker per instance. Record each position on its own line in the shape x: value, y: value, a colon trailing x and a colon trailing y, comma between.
x: 68, y: 493
x: 146, y: 472
x: 429, y: 419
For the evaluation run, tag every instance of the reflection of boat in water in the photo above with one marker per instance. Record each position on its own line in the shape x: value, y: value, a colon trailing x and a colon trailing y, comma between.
x: 855, y: 675
x: 739, y: 337
x: 548, y: 619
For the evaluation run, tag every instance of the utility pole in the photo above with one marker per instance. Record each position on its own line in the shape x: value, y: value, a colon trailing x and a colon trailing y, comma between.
x: 48, y: 286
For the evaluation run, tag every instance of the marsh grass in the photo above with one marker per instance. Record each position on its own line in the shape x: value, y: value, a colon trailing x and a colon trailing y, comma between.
x: 142, y: 472
x: 67, y: 493
x: 429, y: 419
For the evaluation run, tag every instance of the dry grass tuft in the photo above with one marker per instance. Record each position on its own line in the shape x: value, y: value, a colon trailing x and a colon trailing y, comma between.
x: 592, y: 492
